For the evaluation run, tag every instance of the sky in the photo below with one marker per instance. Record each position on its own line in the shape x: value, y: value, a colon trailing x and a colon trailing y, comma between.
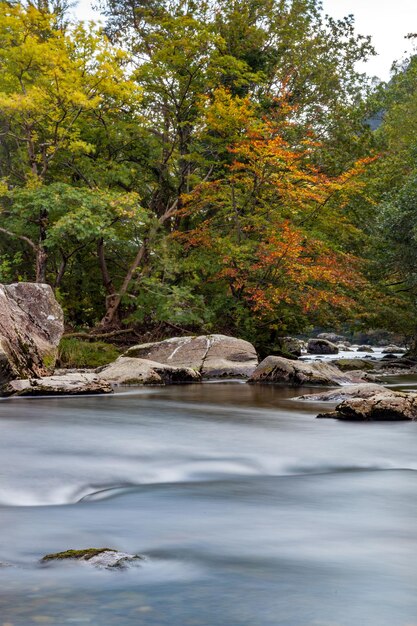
x: 387, y: 21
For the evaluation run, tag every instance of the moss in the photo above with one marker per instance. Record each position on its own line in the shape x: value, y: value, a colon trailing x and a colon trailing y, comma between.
x: 85, y: 554
x: 76, y: 353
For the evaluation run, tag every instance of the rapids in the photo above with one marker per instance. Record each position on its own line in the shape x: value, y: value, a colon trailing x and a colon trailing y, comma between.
x: 249, y: 511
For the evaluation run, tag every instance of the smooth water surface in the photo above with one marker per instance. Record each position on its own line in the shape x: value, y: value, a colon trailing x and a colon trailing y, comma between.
x: 250, y: 512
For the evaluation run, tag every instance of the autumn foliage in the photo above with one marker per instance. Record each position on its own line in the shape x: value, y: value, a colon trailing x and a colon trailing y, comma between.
x: 258, y: 227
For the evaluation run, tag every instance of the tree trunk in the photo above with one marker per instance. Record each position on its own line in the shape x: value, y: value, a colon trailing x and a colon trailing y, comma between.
x: 41, y: 253
x: 113, y: 302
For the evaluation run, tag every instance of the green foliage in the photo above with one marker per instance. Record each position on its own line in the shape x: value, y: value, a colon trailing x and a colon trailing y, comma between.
x: 78, y: 354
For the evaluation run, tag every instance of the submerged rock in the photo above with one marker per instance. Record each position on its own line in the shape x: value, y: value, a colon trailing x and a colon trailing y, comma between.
x: 383, y: 406
x: 31, y: 326
x: 321, y: 346
x: 213, y: 356
x: 104, y: 558
x: 296, y: 373
x: 134, y: 371
x: 68, y: 384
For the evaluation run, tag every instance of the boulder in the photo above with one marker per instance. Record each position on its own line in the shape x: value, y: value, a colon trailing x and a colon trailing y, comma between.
x: 103, y: 558
x: 134, y: 371
x: 393, y: 350
x: 31, y: 326
x: 321, y: 346
x: 365, y: 349
x: 66, y: 385
x: 344, y: 347
x: 277, y: 370
x: 364, y: 390
x: 292, y: 345
x: 332, y: 337
x: 354, y: 364
x: 383, y: 406
x: 214, y: 356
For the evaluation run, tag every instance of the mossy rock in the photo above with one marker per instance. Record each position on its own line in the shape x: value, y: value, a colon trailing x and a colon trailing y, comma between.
x: 85, y: 554
x: 347, y: 365
x: 106, y: 558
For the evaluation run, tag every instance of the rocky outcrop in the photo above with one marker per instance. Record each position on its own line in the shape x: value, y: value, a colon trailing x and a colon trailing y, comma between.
x: 213, y: 356
x: 66, y: 385
x: 278, y: 370
x: 103, y: 558
x: 31, y: 326
x: 365, y: 349
x: 385, y: 405
x: 134, y: 371
x: 364, y: 390
x: 321, y: 346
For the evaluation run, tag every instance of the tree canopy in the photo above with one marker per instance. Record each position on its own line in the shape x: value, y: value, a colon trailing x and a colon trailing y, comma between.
x: 208, y: 166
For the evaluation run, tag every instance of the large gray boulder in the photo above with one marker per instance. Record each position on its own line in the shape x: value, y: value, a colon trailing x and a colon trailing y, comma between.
x: 133, y: 371
x: 213, y: 356
x: 321, y: 346
x: 67, y: 385
x: 31, y: 326
x: 386, y: 405
x: 276, y: 370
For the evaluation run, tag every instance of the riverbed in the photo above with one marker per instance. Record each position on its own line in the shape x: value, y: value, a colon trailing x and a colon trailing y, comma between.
x: 248, y: 510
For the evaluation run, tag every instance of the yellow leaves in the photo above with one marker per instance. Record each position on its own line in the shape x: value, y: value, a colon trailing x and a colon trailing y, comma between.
x: 51, y: 79
x: 227, y: 115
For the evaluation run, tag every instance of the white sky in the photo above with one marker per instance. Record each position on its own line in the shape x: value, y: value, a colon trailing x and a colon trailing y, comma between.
x: 387, y: 21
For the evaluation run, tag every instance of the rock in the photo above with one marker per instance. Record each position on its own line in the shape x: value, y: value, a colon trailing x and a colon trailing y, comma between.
x: 292, y: 345
x: 66, y: 385
x: 364, y: 390
x: 332, y: 337
x: 296, y: 373
x: 321, y: 346
x: 104, y: 558
x: 31, y: 326
x: 363, y: 377
x: 344, y: 348
x: 354, y: 364
x: 134, y: 371
x: 383, y: 406
x: 393, y: 350
x: 214, y: 356
x: 365, y: 349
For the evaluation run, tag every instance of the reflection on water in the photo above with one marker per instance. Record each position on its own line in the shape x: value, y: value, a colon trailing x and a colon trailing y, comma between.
x: 250, y: 512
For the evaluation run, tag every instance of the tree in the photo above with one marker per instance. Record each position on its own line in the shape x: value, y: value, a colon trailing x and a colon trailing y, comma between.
x: 50, y: 81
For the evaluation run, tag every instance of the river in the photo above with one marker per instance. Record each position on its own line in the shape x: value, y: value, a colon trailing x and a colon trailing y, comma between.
x: 249, y: 511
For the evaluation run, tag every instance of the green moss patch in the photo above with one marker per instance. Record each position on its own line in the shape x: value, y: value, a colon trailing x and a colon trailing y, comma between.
x: 85, y: 554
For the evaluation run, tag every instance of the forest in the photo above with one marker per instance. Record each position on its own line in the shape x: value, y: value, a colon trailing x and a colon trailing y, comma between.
x: 214, y: 166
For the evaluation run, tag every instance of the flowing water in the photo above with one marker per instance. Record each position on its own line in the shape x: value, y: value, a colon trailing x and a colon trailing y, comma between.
x: 249, y: 511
